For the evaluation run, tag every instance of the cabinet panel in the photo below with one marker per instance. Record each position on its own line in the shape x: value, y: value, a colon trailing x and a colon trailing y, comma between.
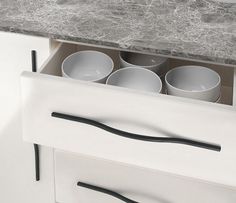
x: 135, y: 183
x: 17, y: 172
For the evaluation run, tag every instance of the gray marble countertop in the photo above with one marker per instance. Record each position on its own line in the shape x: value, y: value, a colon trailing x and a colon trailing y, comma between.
x: 194, y: 29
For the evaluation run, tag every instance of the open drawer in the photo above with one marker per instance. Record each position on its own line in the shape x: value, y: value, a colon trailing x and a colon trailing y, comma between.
x: 156, y: 131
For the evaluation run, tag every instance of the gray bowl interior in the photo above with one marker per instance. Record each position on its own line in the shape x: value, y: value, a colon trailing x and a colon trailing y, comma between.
x: 87, y: 65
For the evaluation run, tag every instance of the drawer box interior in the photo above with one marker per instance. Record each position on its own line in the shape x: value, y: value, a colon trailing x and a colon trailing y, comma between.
x: 53, y: 67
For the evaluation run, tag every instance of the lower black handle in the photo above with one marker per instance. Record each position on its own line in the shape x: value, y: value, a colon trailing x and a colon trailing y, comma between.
x: 106, y: 191
x: 37, y: 169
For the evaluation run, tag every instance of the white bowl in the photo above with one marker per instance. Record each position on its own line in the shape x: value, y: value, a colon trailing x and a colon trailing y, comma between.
x: 156, y: 64
x: 91, y: 66
x: 194, y: 82
x: 136, y: 78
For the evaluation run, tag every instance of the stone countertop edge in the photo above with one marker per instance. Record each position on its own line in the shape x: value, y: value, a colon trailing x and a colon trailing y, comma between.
x: 202, y: 30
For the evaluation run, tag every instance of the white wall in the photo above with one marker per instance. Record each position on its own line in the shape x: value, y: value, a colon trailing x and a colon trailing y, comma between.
x: 17, y: 172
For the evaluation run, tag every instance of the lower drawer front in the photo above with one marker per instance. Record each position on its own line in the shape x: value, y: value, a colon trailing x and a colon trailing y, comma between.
x: 137, y: 184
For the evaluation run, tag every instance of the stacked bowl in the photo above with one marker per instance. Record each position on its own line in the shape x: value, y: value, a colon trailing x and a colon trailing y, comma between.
x: 93, y: 66
x: 195, y: 82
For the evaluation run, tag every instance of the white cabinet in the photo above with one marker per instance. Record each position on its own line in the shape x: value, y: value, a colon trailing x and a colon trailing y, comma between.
x: 17, y: 172
x: 155, y: 115
x: 141, y: 170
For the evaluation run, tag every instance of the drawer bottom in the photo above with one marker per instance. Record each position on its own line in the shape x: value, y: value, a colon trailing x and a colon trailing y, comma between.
x: 102, y: 181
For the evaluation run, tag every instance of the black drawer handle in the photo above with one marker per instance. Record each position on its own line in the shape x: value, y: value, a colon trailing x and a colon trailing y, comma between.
x: 106, y: 191
x: 37, y: 170
x: 121, y: 133
x: 36, y: 147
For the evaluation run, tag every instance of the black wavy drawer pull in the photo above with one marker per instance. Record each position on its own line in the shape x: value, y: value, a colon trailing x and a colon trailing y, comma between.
x: 121, y: 133
x: 106, y: 191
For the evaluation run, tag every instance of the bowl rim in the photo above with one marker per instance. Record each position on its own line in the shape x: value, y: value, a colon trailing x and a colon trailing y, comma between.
x: 88, y: 51
x: 195, y: 91
x: 162, y: 61
x: 137, y: 68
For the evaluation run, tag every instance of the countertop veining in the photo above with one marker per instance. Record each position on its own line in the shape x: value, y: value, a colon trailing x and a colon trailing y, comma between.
x: 194, y: 29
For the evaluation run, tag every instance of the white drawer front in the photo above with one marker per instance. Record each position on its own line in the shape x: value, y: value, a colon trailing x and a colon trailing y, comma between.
x: 135, y: 112
x: 135, y: 183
